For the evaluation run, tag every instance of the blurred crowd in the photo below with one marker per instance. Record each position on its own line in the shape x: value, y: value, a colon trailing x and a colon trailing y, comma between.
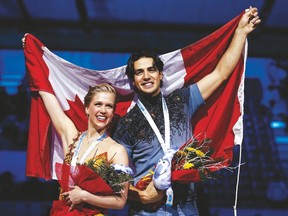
x: 14, y: 118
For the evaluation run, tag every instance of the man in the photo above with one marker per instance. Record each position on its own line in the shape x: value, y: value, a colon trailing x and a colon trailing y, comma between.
x: 157, y: 123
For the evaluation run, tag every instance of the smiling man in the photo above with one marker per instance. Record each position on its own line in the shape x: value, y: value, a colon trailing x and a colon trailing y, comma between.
x: 170, y: 116
x: 159, y: 123
x: 147, y: 76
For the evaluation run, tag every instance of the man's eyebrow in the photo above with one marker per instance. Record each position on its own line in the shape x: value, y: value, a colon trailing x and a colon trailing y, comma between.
x: 153, y: 67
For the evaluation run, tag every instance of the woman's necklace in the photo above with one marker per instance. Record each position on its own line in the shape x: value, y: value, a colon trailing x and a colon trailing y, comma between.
x: 91, y: 147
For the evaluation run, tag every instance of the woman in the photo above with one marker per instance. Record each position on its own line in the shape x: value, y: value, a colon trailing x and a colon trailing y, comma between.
x: 99, y: 107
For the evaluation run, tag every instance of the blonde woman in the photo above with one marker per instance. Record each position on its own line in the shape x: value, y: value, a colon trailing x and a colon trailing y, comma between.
x: 99, y: 107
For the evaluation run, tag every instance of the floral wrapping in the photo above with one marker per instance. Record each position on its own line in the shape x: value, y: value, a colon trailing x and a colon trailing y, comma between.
x: 96, y: 176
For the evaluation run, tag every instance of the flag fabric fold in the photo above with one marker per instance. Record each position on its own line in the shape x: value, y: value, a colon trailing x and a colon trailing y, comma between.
x: 220, y: 119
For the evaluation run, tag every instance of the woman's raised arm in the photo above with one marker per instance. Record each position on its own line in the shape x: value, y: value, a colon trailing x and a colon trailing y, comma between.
x: 63, y: 125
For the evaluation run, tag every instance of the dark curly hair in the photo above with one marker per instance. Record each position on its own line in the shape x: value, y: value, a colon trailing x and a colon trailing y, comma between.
x: 157, y: 62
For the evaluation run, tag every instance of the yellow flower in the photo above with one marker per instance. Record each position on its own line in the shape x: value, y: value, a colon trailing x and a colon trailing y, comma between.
x: 190, y: 149
x: 148, y: 175
x: 97, y: 162
x: 188, y: 165
x: 200, y: 153
x: 181, y: 153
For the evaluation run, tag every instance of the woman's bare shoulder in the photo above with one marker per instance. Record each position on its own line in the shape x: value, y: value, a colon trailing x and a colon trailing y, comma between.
x: 118, y: 152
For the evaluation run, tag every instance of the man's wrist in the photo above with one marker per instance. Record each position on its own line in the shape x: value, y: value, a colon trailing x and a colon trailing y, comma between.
x: 133, y: 194
x: 143, y: 198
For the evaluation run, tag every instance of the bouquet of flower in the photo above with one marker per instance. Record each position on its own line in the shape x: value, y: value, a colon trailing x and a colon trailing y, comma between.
x: 193, y: 162
x: 97, y: 176
x: 113, y: 174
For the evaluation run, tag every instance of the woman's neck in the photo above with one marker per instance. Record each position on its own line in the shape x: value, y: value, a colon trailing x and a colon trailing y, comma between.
x: 94, y: 134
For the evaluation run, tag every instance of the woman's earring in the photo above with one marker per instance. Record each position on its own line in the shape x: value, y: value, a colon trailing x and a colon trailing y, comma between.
x: 87, y: 115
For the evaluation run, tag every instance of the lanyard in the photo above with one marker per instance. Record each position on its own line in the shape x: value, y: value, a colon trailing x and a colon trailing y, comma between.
x: 77, y: 150
x: 164, y: 144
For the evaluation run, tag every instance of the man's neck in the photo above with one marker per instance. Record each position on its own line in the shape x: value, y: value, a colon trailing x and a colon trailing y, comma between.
x: 152, y: 100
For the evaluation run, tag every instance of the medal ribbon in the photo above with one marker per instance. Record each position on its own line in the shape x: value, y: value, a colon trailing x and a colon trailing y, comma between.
x: 77, y: 150
x: 164, y: 144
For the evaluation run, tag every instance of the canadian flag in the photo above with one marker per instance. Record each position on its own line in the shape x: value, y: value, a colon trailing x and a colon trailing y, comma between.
x: 220, y: 118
